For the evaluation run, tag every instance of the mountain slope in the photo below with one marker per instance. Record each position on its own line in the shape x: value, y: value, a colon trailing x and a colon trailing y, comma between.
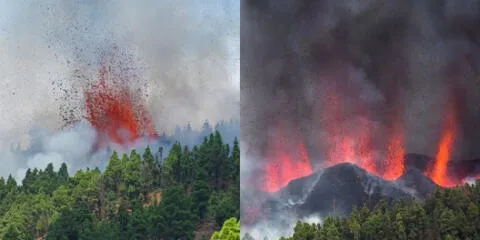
x: 336, y: 190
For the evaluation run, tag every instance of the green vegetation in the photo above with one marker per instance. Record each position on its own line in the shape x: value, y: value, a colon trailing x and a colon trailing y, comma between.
x: 230, y: 231
x: 190, y: 193
x: 448, y: 214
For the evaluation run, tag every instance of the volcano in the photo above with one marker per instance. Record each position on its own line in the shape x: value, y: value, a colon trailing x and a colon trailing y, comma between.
x: 337, y: 189
x: 359, y: 89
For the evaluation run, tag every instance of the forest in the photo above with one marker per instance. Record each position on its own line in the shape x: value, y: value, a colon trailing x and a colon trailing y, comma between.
x: 185, y: 193
x: 447, y: 214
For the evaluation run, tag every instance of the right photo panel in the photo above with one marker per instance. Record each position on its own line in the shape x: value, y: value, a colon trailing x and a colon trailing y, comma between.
x: 360, y: 119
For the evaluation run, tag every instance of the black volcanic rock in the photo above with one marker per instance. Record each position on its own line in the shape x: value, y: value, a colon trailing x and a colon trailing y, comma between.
x: 344, y: 186
x: 337, y: 189
x: 420, y: 185
x: 295, y: 191
x: 333, y: 191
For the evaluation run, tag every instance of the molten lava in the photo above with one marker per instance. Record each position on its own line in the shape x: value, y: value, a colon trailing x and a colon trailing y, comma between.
x: 351, y: 144
x: 354, y: 145
x: 339, y: 144
x: 350, y: 135
x: 114, y: 112
x: 285, y: 164
x: 438, y: 172
x: 394, y: 166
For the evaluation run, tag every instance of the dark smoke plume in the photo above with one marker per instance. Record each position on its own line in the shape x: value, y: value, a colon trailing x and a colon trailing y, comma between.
x: 392, y: 59
x: 392, y: 62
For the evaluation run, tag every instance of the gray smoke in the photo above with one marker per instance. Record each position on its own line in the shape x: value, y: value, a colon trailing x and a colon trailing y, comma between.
x: 75, y: 146
x: 391, y: 62
x: 182, y: 54
x: 72, y: 145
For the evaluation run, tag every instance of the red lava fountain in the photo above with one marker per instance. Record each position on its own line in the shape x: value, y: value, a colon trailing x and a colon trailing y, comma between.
x: 354, y: 145
x: 115, y: 113
x: 285, y: 164
x: 438, y: 172
x: 349, y: 136
x: 394, y: 165
x: 342, y: 143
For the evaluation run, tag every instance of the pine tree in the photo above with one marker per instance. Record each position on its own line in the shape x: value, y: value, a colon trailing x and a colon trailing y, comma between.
x: 229, y: 231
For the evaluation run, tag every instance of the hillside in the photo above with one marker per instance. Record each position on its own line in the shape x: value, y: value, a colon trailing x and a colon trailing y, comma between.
x: 336, y: 190
x: 352, y: 203
x: 447, y: 214
x: 185, y: 193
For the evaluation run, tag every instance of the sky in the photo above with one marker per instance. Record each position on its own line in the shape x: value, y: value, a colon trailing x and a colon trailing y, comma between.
x: 187, y: 52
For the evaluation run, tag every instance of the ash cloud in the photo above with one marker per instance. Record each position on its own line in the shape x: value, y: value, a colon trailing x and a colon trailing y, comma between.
x: 401, y: 59
x: 183, y: 55
x: 392, y: 62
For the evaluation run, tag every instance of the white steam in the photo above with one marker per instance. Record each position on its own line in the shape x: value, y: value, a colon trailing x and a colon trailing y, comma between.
x: 72, y: 145
x: 283, y: 226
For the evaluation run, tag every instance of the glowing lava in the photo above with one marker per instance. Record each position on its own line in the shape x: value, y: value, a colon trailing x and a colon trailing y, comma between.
x: 394, y: 165
x: 114, y: 112
x: 354, y: 145
x: 350, y: 136
x: 285, y: 164
x: 339, y: 144
x: 438, y: 172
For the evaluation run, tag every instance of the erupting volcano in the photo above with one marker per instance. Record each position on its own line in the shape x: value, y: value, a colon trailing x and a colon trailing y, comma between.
x: 380, y: 101
x: 116, y: 112
x: 354, y: 144
x: 288, y: 159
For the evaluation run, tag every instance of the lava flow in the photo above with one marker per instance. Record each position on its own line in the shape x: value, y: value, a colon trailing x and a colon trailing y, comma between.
x: 114, y: 112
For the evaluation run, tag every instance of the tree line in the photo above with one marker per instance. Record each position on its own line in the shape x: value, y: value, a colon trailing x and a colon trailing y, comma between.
x: 448, y: 214
x: 185, y: 194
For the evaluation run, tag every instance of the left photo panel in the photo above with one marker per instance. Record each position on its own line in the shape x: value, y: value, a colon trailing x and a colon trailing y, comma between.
x: 119, y: 119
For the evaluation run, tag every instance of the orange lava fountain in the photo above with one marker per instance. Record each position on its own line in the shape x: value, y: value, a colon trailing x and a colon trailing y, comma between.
x: 350, y: 137
x: 115, y: 113
x: 355, y: 145
x: 438, y: 172
x: 285, y: 164
x: 394, y: 165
